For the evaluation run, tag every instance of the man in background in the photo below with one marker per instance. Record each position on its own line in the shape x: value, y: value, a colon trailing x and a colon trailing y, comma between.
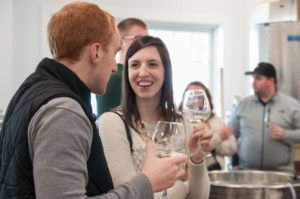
x: 49, y: 144
x: 130, y: 29
x: 266, y: 125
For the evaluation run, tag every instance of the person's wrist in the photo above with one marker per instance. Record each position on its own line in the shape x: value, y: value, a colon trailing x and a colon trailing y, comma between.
x: 197, y: 159
x: 151, y: 180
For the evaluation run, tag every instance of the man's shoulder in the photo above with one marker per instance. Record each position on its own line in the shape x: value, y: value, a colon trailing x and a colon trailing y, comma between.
x: 246, y: 103
x: 248, y: 99
x: 288, y: 98
x: 111, y: 116
x: 64, y: 102
x: 67, y: 104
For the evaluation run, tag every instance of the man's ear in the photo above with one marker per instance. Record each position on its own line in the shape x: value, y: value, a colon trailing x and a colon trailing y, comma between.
x: 274, y: 82
x: 122, y: 44
x: 271, y: 79
x: 96, y: 51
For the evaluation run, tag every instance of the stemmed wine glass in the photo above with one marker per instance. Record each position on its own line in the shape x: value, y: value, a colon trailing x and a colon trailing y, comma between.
x: 196, y: 109
x: 169, y: 140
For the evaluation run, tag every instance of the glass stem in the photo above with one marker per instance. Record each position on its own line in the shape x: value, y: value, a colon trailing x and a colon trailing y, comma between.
x: 199, y: 144
x: 206, y: 154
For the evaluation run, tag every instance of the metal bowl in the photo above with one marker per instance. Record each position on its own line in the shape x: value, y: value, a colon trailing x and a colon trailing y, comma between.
x: 253, y: 184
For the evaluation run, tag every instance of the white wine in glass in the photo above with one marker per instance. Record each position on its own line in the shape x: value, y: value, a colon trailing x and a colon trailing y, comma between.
x: 196, y: 109
x: 169, y: 140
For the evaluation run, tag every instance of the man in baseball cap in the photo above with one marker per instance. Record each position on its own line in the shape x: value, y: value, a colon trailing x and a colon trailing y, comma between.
x: 265, y: 69
x: 267, y: 124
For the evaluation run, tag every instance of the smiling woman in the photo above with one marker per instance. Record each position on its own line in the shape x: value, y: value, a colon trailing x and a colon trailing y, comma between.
x: 146, y: 73
x: 147, y: 97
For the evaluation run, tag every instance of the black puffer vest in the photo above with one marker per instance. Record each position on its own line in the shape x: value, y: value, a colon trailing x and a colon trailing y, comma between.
x: 50, y: 80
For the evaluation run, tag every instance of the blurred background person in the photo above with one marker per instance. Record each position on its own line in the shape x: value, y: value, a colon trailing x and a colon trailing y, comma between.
x: 147, y: 99
x: 130, y: 29
x: 266, y: 124
x: 223, y: 143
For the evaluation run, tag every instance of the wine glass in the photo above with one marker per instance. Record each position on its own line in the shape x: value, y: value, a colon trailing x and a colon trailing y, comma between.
x: 169, y: 140
x: 196, y: 109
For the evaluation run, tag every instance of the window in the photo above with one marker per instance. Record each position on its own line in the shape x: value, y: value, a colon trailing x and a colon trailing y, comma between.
x: 190, y: 57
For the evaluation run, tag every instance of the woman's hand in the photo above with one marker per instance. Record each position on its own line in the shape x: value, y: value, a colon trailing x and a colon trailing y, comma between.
x: 225, y: 132
x: 199, y: 133
x: 162, y: 172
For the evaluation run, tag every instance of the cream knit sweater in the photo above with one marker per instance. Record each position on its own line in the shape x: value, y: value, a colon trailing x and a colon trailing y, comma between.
x: 226, y: 147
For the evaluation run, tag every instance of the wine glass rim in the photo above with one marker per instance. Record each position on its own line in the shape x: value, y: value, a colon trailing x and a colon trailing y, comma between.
x: 167, y: 122
x: 193, y: 90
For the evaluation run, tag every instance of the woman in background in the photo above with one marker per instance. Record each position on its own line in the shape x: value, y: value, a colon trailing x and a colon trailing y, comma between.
x: 147, y: 97
x: 223, y: 142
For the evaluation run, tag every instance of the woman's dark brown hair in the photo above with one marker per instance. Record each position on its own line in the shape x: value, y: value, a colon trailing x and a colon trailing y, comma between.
x: 166, y: 104
x: 198, y: 83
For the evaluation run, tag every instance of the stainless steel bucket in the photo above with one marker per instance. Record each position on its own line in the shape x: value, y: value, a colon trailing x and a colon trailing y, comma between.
x: 253, y: 185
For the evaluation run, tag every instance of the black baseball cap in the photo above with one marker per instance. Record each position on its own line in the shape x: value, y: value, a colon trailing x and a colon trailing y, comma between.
x: 265, y: 69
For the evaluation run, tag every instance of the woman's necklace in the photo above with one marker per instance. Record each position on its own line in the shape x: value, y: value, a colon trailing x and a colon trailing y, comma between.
x: 143, y: 130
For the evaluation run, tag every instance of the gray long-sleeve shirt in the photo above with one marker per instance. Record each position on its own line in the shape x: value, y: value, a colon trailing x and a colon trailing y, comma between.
x: 256, y: 149
x: 59, y: 139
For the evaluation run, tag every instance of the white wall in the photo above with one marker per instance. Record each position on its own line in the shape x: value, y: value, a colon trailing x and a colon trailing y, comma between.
x: 6, y: 51
x: 29, y: 33
x: 257, y: 12
x: 26, y: 39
